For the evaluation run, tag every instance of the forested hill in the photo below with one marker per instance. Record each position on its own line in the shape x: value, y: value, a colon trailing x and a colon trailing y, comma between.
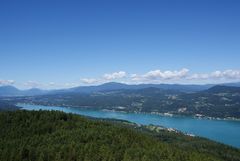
x: 5, y: 106
x: 56, y: 136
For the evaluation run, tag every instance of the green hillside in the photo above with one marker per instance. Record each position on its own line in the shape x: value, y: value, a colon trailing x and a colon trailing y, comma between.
x: 56, y: 136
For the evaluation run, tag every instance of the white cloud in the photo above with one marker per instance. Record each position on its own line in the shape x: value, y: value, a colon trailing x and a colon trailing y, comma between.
x: 33, y: 84
x: 48, y: 85
x: 136, y: 79
x: 183, y: 76
x: 217, y: 75
x: 7, y: 82
x: 69, y: 85
x: 198, y: 76
x: 158, y: 74
x: 105, y: 78
x: 115, y: 75
x: 52, y: 84
x: 153, y: 76
x: 89, y: 80
x: 227, y: 74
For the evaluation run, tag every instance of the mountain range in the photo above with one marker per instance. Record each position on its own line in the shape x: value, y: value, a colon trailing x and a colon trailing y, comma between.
x: 218, y: 101
x: 13, y: 91
x: 222, y: 101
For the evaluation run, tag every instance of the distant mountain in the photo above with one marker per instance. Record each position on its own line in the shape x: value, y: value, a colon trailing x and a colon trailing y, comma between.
x: 218, y: 101
x: 104, y: 87
x: 35, y: 91
x: 223, y: 89
x: 10, y: 91
x: 236, y: 84
x: 180, y: 87
x: 112, y: 86
x: 120, y: 86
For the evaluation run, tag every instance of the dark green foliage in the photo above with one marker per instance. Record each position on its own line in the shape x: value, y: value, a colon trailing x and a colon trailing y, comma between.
x: 56, y: 136
x: 4, y: 106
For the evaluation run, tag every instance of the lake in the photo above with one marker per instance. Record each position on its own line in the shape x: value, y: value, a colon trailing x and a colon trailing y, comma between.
x: 224, y: 131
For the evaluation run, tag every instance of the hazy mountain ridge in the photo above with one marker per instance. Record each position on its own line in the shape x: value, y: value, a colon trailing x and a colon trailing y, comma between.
x: 218, y: 101
x: 13, y: 91
x: 223, y: 88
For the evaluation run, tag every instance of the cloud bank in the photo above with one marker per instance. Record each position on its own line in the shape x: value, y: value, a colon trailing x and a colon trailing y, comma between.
x: 168, y: 76
x: 155, y: 75
x: 116, y: 75
x: 6, y: 82
x: 89, y: 80
x: 105, y: 78
x: 181, y: 76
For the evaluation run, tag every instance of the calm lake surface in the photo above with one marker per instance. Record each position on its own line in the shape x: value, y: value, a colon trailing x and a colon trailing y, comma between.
x: 227, y: 132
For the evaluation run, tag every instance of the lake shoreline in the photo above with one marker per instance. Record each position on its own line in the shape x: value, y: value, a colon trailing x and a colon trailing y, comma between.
x: 196, y: 116
x: 224, y: 131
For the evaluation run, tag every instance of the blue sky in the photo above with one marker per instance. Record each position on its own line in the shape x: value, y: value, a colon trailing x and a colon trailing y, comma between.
x: 63, y: 43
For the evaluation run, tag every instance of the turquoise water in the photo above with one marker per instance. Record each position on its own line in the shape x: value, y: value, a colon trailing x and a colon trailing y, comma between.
x: 227, y: 132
